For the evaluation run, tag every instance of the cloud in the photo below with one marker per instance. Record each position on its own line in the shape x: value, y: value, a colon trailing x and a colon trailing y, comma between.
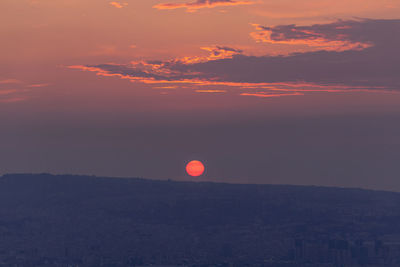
x: 7, y: 92
x: 269, y: 95
x: 10, y: 81
x: 215, y: 52
x: 13, y: 90
x: 210, y: 91
x: 12, y: 95
x: 104, y: 50
x: 12, y: 99
x: 163, y: 71
x: 36, y: 85
x: 118, y: 5
x: 218, y: 52
x: 198, y: 4
x: 338, y: 36
x: 374, y: 68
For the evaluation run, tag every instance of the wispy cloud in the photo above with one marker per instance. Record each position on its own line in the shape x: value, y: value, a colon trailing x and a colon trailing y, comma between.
x: 104, y: 50
x: 7, y: 92
x: 210, y: 91
x: 10, y: 81
x: 36, y: 85
x: 13, y: 90
x: 370, y: 69
x: 269, y: 95
x: 118, y: 4
x: 149, y: 71
x: 198, y: 4
x: 12, y: 95
x: 338, y: 36
x: 215, y: 52
x: 12, y: 99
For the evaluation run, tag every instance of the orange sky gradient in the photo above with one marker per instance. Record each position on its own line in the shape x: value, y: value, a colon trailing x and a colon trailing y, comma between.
x: 130, y: 63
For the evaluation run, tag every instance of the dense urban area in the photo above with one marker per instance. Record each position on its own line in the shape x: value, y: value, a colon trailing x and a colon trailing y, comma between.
x: 66, y: 220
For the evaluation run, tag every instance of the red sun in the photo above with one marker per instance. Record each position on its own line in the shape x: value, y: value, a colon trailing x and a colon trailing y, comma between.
x: 195, y: 168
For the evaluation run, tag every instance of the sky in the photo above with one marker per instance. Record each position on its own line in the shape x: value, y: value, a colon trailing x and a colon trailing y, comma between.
x: 268, y: 91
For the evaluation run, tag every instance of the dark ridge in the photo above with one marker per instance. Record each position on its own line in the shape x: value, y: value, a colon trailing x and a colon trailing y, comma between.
x: 61, y: 220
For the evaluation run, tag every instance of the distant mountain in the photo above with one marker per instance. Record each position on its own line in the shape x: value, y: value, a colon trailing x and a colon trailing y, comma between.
x: 67, y: 220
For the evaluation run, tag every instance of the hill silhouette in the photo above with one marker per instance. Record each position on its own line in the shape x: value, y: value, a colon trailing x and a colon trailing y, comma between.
x: 67, y: 220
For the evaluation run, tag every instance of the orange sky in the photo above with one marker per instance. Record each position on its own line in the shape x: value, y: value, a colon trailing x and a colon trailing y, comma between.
x: 141, y: 62
x: 95, y: 30
x: 44, y: 39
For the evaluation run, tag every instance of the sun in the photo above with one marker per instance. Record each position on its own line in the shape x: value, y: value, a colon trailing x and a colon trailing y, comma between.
x: 195, y: 168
